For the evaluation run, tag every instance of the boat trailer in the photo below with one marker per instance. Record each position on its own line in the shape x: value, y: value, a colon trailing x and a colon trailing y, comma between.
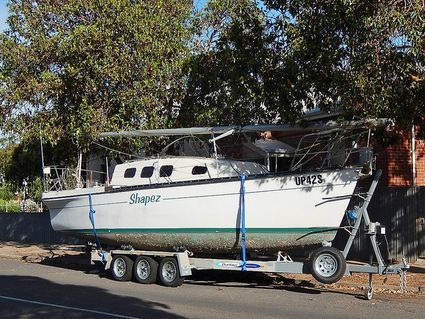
x: 326, y: 264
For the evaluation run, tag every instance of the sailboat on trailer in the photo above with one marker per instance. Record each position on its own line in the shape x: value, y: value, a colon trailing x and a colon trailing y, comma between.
x: 194, y: 203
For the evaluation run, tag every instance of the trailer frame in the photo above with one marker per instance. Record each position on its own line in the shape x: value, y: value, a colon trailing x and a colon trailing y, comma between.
x: 185, y: 262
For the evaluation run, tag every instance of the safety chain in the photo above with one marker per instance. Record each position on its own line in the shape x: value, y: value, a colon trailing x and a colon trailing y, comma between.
x: 403, y: 276
x: 403, y: 281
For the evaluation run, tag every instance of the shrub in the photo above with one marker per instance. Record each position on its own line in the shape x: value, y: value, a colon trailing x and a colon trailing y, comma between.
x: 29, y: 206
x: 6, y: 192
x: 35, y: 189
x: 9, y: 206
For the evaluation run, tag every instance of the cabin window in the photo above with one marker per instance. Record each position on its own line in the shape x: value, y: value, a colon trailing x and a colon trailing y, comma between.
x: 147, y: 172
x: 130, y: 172
x: 199, y: 170
x: 165, y: 170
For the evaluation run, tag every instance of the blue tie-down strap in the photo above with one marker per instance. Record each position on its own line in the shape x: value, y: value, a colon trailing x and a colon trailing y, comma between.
x: 352, y: 215
x: 91, y: 217
x: 243, y: 229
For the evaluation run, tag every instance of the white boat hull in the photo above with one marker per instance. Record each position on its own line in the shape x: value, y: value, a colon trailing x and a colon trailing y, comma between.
x: 205, y: 216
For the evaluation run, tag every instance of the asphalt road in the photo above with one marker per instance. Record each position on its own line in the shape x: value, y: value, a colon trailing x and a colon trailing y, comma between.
x: 42, y: 291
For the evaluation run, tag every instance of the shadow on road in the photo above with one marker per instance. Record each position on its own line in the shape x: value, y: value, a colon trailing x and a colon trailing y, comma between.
x: 74, y: 262
x: 251, y: 280
x: 30, y: 288
x: 417, y: 270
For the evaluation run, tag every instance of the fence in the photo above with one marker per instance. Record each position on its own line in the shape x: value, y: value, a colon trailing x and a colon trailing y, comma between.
x: 31, y: 228
x: 401, y: 210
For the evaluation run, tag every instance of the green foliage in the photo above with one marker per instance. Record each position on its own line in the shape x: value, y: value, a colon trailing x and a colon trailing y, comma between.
x: 7, y: 196
x: 6, y: 154
x: 364, y: 57
x: 6, y: 192
x: 70, y: 69
x: 9, y: 206
x: 20, y: 161
x: 236, y: 75
x: 35, y: 189
x: 270, y: 61
x: 23, y: 161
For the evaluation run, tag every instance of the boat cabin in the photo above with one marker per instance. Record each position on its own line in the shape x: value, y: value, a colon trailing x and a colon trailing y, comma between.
x: 229, y: 152
x: 178, y: 169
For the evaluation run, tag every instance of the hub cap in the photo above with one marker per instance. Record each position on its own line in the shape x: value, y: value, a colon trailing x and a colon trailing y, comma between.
x: 120, y: 267
x: 326, y: 265
x: 143, y: 269
x: 169, y: 271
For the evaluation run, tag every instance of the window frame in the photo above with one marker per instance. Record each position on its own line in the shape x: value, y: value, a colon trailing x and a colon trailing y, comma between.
x: 199, y: 167
x: 164, y: 170
x: 130, y: 169
x: 150, y: 168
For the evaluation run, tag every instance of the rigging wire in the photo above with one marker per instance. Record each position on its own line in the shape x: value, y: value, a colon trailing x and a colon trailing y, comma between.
x: 117, y: 151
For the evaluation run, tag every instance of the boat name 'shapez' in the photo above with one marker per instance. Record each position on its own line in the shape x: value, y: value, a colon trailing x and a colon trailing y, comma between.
x: 135, y: 198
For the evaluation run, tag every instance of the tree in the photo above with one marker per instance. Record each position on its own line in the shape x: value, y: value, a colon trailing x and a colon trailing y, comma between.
x: 262, y: 61
x: 70, y: 69
x: 238, y: 74
x: 20, y: 161
x: 363, y: 57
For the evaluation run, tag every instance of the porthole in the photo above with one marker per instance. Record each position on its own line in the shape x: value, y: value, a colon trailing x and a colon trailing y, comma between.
x: 165, y: 170
x: 147, y: 172
x: 199, y: 170
x: 130, y: 172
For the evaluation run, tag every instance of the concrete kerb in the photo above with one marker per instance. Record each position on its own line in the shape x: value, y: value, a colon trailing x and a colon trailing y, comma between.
x: 35, y: 252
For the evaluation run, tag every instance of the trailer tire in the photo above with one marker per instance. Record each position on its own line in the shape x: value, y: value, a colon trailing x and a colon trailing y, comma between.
x: 327, y: 265
x: 369, y: 293
x: 169, y: 273
x: 121, y: 268
x: 145, y: 270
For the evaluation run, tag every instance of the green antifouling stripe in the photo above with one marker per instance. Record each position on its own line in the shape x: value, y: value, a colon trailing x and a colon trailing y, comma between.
x: 200, y: 230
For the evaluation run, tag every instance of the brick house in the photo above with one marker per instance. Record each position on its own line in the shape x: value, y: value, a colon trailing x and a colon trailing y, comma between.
x: 403, y: 160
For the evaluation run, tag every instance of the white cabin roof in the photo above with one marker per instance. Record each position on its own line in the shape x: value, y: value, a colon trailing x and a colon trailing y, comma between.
x: 177, y: 169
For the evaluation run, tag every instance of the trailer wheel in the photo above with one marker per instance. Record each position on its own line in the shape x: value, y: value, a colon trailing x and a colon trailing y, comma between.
x: 145, y: 270
x: 121, y: 268
x: 327, y: 265
x: 369, y: 293
x: 169, y: 274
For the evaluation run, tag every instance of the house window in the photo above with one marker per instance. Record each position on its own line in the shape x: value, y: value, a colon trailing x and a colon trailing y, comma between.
x: 147, y: 172
x: 130, y: 172
x: 199, y: 170
x: 165, y: 170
